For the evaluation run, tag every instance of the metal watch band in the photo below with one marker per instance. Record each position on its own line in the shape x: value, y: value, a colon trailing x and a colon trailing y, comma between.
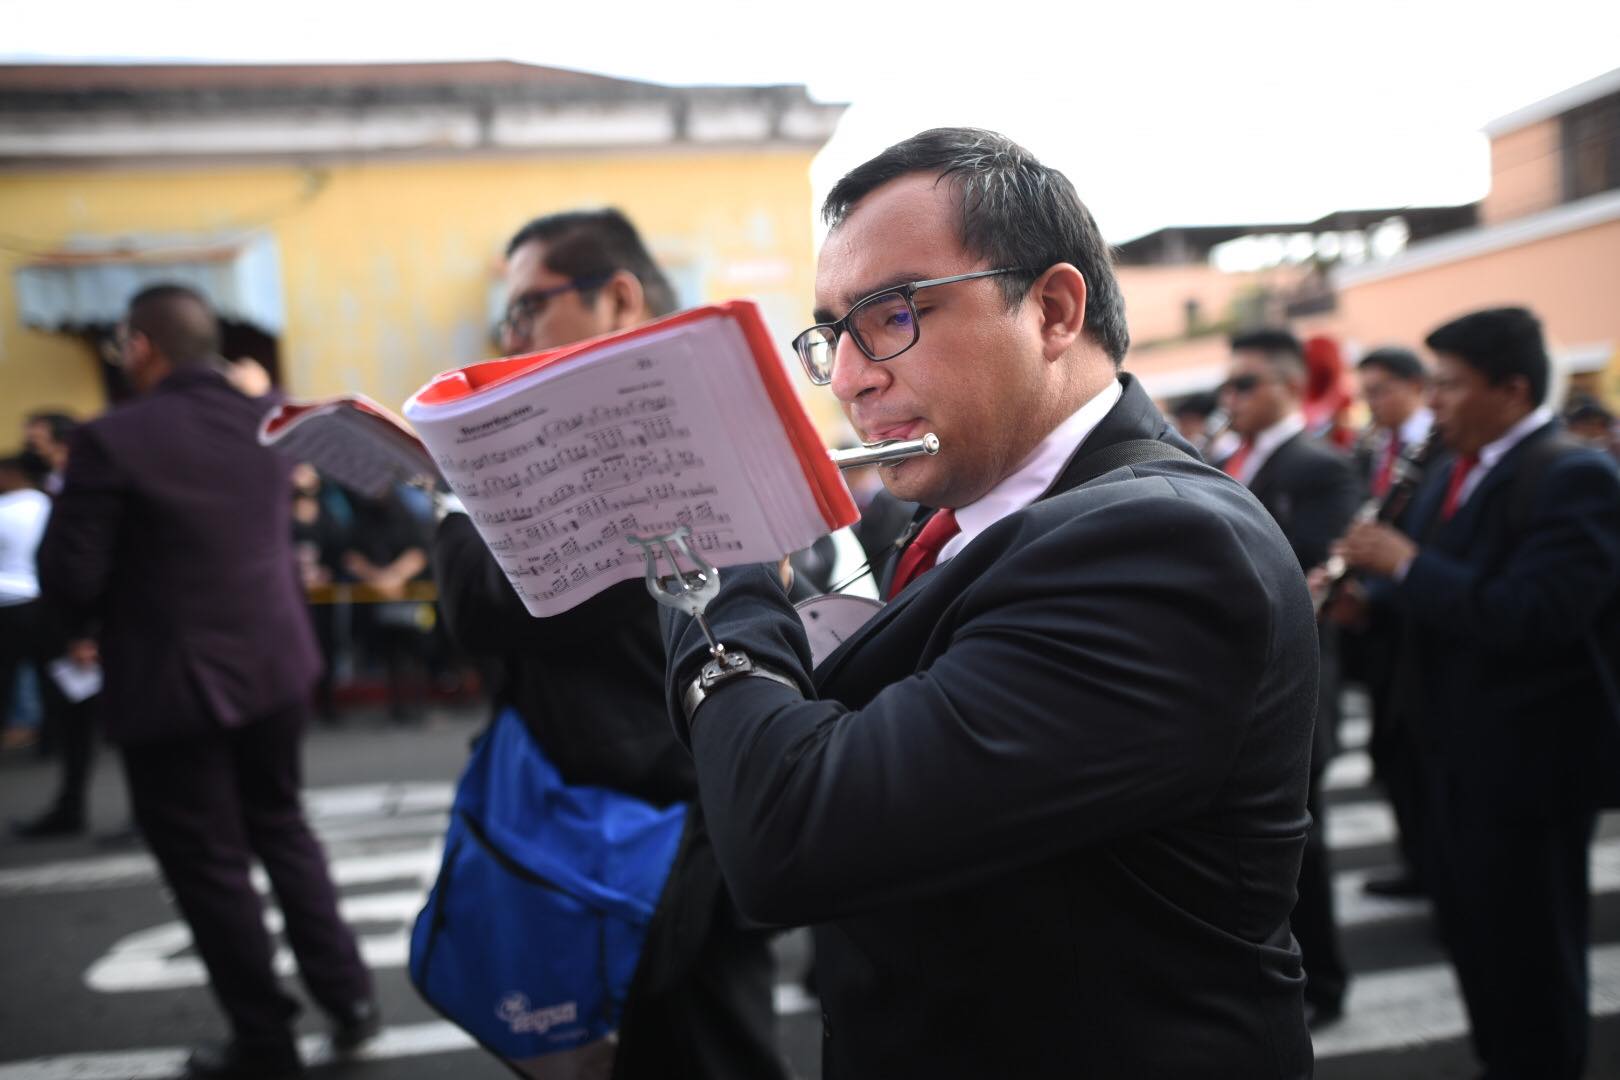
x: 730, y: 664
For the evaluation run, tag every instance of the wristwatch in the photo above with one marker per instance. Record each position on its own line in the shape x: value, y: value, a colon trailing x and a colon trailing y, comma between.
x: 728, y: 665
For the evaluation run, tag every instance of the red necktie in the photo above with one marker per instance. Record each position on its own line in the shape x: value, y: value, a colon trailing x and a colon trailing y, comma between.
x: 1459, y: 475
x: 1233, y: 466
x: 1386, y: 469
x: 923, y: 551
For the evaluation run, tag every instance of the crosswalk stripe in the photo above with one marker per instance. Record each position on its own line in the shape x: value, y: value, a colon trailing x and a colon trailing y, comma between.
x: 1386, y: 1010
x: 354, y: 814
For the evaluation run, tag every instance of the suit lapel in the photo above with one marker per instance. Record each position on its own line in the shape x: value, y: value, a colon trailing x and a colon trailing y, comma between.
x: 1269, y: 468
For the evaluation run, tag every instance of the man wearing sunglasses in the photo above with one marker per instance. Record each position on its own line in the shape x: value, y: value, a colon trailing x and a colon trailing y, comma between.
x: 589, y: 686
x: 1312, y: 491
x: 1046, y: 807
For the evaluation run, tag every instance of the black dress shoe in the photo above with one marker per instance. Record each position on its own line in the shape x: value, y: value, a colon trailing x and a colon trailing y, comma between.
x: 49, y: 825
x: 355, y: 1028
x: 1404, y: 886
x: 234, y: 1061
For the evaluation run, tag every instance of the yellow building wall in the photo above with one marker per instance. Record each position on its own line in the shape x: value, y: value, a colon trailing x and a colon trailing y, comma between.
x: 387, y: 265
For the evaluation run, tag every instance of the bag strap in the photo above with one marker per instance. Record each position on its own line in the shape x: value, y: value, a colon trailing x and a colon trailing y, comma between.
x: 1120, y: 455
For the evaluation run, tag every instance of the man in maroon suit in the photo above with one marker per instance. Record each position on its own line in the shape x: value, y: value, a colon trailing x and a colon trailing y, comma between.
x: 173, y: 530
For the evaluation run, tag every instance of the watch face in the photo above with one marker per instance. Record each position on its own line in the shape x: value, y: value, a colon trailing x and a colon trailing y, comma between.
x: 829, y: 620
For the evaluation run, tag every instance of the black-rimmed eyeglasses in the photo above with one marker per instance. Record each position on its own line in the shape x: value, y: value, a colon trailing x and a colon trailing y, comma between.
x: 884, y: 325
x: 521, y: 313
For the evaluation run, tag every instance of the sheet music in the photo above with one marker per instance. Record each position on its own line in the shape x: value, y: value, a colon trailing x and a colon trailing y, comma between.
x: 363, y: 452
x: 557, y: 474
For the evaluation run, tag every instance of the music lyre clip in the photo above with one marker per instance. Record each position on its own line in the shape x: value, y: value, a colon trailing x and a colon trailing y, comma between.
x: 688, y: 591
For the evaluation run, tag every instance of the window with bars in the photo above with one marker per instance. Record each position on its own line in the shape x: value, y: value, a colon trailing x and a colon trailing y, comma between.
x: 1591, y: 138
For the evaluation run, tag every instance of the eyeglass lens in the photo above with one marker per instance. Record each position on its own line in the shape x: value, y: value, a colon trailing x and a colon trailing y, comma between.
x: 884, y: 326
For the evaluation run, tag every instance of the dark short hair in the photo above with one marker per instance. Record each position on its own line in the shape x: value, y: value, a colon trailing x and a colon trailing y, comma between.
x: 179, y: 321
x: 1586, y: 407
x: 1201, y: 404
x: 1280, y: 348
x: 1014, y: 212
x: 583, y: 244
x: 61, y: 424
x: 1499, y: 343
x: 1393, y: 360
x: 27, y: 464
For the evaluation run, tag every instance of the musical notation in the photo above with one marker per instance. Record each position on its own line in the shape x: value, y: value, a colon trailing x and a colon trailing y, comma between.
x: 557, y: 499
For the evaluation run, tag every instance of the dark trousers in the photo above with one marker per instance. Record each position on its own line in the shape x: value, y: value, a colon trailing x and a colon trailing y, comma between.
x: 75, y: 725
x: 206, y: 806
x: 1397, y: 765
x: 19, y: 634
x: 1313, y: 923
x: 1513, y: 899
x: 716, y: 1023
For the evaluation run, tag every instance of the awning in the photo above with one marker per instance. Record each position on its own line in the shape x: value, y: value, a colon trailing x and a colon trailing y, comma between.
x: 91, y: 282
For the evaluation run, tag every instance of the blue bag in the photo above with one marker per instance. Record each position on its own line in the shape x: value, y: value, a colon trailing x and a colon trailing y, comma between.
x: 531, y: 936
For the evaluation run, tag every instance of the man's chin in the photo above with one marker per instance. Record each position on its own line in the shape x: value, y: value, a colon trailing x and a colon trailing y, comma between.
x: 908, y: 481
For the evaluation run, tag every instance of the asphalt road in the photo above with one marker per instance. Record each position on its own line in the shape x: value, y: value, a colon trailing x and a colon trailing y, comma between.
x: 98, y: 983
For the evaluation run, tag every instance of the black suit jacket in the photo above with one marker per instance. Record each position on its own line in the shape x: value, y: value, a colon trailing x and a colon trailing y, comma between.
x: 1048, y: 806
x: 588, y: 682
x: 1312, y: 492
x: 174, y: 527
x: 1495, y: 673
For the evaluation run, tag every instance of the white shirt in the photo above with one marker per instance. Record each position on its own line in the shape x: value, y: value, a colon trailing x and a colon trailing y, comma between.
x: 1026, y: 483
x: 22, y: 522
x: 1492, y: 452
x: 1266, y: 443
x: 1413, y: 431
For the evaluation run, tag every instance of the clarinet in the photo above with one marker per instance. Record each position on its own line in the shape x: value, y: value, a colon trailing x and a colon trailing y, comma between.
x: 1407, y: 470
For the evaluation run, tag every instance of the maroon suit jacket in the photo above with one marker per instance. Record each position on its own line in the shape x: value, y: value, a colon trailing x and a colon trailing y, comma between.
x: 173, y: 531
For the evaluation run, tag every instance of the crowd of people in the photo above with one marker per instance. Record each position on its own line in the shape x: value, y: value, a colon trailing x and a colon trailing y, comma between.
x: 1057, y: 808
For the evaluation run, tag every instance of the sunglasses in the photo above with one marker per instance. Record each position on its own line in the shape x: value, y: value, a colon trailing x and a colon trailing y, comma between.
x: 1241, y: 384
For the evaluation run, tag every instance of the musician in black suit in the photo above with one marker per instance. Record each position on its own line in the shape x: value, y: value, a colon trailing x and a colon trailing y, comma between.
x: 173, y: 528
x: 1046, y: 808
x: 1311, y: 491
x: 1395, y: 385
x: 589, y: 686
x: 1507, y: 582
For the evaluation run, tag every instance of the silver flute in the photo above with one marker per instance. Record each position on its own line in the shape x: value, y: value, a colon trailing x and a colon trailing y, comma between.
x: 888, y: 452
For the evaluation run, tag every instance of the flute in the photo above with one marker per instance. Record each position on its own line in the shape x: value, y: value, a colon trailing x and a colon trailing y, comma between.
x: 888, y: 452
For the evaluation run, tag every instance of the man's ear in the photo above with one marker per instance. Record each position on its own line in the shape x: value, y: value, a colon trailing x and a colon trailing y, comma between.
x: 1060, y: 294
x: 627, y: 301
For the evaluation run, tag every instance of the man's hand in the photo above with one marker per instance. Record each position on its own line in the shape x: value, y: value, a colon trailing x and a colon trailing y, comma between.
x: 83, y: 652
x: 1348, y: 606
x: 248, y: 376
x: 1376, y: 548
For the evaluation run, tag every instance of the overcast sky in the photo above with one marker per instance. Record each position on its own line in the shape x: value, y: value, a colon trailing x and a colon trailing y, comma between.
x: 1161, y: 113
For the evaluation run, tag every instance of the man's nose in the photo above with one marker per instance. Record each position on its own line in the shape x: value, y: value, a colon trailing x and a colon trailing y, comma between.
x: 852, y: 373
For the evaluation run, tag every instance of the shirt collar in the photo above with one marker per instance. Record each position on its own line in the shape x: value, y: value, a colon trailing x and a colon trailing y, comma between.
x: 1266, y: 443
x: 1277, y: 434
x: 1039, y: 470
x: 1492, y: 452
x: 1416, y: 427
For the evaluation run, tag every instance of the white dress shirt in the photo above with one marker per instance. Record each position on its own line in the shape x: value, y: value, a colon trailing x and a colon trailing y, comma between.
x: 1491, y: 453
x: 22, y: 522
x: 1026, y: 483
x: 1266, y: 443
x: 1413, y: 431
